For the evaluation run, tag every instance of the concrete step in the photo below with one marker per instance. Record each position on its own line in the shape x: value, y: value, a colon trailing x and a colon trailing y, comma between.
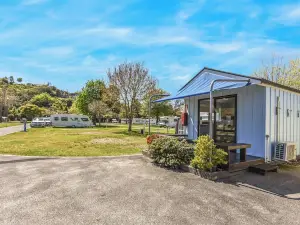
x: 263, y: 168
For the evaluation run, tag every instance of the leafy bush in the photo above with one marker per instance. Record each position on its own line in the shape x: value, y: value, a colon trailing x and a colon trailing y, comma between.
x: 170, y: 152
x: 204, y: 151
x: 30, y: 111
x: 151, y: 137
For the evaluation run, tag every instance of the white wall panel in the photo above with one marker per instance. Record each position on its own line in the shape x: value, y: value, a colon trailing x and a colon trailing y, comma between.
x: 289, y: 126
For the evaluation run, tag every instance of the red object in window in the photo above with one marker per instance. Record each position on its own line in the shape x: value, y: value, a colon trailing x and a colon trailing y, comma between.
x: 184, y: 116
x: 184, y: 119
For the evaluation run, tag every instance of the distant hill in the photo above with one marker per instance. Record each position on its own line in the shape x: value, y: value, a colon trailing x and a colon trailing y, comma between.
x: 22, y: 93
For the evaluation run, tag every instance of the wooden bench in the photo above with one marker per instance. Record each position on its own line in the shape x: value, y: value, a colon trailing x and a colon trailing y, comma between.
x: 233, y: 147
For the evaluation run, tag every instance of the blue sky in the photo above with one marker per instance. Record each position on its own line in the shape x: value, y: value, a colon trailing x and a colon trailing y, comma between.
x: 68, y: 42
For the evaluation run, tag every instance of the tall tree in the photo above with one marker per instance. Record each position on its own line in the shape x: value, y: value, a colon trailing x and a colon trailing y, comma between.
x: 133, y: 82
x: 11, y: 80
x: 93, y: 90
x: 279, y: 72
x: 19, y: 79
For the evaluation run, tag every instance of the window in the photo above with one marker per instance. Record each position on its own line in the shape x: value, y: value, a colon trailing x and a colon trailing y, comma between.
x: 225, y: 119
x: 74, y: 119
x: 56, y: 118
x: 84, y: 119
x: 64, y: 118
x: 203, y: 117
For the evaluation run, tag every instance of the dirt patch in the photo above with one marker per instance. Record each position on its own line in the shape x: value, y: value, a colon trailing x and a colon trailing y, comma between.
x: 108, y: 141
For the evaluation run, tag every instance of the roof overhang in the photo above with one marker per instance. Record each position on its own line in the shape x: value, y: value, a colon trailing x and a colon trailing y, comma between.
x: 201, y: 84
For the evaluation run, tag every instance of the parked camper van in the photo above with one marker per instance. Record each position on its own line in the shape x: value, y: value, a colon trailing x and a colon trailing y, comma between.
x: 70, y: 120
x: 169, y: 121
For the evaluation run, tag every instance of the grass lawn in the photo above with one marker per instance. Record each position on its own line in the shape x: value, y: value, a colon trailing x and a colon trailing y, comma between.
x: 10, y: 124
x: 98, y: 141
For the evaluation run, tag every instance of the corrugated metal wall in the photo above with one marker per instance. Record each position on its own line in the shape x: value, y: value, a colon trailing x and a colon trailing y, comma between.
x: 289, y: 125
x: 251, y: 113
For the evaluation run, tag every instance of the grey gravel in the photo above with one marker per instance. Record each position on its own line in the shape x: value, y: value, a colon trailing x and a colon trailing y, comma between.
x: 13, y: 129
x: 127, y: 190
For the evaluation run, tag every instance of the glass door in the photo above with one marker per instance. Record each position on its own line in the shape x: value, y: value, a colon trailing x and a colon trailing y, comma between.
x: 225, y: 119
x: 203, y: 128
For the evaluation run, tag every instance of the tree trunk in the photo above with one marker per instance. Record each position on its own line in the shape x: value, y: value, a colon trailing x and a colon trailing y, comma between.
x: 157, y: 119
x: 99, y: 121
x: 130, y: 125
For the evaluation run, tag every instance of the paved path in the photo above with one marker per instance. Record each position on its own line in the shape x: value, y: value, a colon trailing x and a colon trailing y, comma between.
x: 10, y: 130
x: 127, y: 190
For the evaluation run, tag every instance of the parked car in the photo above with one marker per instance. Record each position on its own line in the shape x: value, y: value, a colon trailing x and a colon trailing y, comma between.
x: 47, y: 121
x: 38, y: 122
x: 114, y: 121
x: 161, y: 124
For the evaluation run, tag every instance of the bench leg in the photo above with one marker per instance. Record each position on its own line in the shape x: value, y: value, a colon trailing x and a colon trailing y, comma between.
x: 242, y: 155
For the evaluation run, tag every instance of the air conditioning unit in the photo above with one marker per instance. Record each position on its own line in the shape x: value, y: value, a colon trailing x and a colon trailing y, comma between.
x: 285, y: 151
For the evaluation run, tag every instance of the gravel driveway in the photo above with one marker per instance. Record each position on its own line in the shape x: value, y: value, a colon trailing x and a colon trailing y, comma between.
x: 127, y: 190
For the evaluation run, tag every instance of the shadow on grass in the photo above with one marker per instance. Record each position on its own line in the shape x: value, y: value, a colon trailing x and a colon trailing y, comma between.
x: 107, y: 126
x: 25, y: 160
x: 132, y: 133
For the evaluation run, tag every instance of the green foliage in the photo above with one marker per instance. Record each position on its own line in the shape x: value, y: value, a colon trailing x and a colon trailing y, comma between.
x: 93, y: 90
x: 13, y: 113
x: 59, y: 106
x: 11, y: 117
x: 30, y: 111
x: 157, y: 109
x: 43, y: 100
x: 11, y: 80
x: 19, y: 79
x: 207, y: 155
x: 170, y: 152
x: 73, y: 109
x: 51, y: 104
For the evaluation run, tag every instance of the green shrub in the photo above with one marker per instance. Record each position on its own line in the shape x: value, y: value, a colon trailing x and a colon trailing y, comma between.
x: 204, y: 151
x: 170, y: 152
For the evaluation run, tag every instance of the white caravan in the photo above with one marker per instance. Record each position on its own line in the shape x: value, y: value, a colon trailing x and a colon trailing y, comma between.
x: 169, y: 121
x: 70, y: 120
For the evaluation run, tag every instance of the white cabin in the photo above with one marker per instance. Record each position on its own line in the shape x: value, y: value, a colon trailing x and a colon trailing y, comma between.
x: 258, y: 112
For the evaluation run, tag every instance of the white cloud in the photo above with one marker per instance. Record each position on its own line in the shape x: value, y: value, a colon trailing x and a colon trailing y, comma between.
x: 188, y: 9
x: 33, y: 2
x: 220, y: 47
x: 56, y: 51
x: 182, y: 78
x: 288, y: 15
x: 108, y: 31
